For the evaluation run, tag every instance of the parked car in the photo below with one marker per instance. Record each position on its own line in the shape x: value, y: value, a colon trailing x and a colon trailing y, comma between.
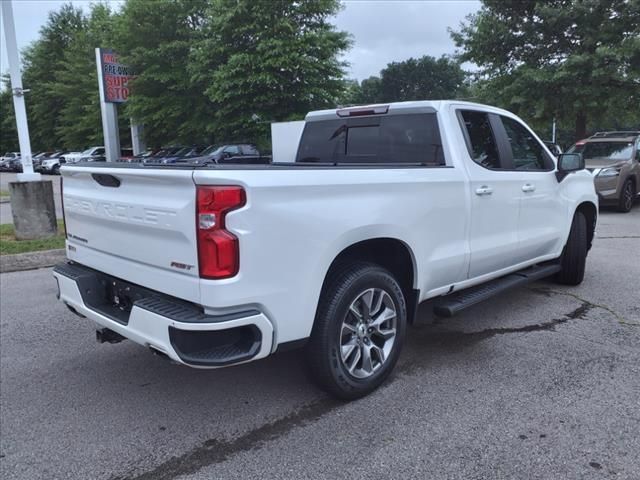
x: 126, y: 155
x: 11, y: 165
x: 51, y: 164
x: 614, y: 161
x: 161, y: 155
x: 235, y: 153
x: 38, y: 158
x: 45, y: 163
x: 386, y: 206
x: 8, y: 161
x: 90, y: 154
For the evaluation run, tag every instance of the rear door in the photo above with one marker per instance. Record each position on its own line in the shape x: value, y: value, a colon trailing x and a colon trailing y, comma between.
x: 495, y: 194
x: 134, y: 222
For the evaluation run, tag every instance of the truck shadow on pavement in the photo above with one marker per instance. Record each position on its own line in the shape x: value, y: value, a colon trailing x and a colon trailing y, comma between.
x: 286, y: 373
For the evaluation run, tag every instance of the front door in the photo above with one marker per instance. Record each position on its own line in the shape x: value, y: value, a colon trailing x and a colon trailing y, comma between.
x: 495, y: 195
x: 542, y: 213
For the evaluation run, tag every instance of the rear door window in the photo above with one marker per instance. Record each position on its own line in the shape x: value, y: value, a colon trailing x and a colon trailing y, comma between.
x: 481, y: 141
x: 391, y: 139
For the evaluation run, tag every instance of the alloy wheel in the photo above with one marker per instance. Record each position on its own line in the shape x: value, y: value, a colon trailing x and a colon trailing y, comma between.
x: 368, y: 332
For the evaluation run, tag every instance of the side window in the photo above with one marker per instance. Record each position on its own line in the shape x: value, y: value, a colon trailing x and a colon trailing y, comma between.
x: 528, y: 154
x: 249, y: 150
x: 400, y: 138
x: 233, y: 150
x: 482, y: 143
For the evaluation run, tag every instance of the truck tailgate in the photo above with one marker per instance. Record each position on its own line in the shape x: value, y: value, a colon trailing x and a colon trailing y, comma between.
x: 136, y: 222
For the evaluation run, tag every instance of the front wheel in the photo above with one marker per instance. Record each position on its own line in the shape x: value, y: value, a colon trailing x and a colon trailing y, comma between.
x: 574, y: 256
x: 627, y: 196
x: 358, y: 331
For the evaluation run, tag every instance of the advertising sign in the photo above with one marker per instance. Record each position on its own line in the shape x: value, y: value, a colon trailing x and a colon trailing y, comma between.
x: 115, y: 77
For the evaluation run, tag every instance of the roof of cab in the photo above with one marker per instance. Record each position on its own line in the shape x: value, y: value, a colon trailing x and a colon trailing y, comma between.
x: 417, y: 106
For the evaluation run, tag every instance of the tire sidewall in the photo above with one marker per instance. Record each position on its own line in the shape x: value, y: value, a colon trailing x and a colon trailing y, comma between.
x: 623, y: 204
x: 373, y: 277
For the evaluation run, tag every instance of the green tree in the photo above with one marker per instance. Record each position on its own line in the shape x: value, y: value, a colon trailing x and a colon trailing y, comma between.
x: 8, y: 132
x: 268, y: 61
x: 41, y: 61
x: 79, y: 122
x: 156, y: 39
x: 425, y: 78
x: 577, y: 61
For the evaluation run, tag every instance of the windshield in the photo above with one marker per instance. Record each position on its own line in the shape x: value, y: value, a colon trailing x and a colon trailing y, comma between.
x: 611, y: 151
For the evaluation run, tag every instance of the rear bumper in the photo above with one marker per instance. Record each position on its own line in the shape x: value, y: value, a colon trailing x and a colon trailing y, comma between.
x: 178, y: 329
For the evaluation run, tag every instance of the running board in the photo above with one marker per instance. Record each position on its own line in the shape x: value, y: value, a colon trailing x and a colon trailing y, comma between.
x: 452, y: 304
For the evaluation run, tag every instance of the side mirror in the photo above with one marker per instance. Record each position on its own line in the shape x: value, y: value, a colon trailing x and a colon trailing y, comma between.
x: 567, y: 163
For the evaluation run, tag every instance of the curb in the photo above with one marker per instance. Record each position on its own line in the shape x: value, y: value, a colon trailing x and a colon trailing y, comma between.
x: 5, y: 200
x: 31, y: 260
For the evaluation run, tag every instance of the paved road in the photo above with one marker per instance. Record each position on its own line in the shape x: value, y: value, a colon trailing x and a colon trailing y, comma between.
x: 5, y: 208
x: 542, y: 383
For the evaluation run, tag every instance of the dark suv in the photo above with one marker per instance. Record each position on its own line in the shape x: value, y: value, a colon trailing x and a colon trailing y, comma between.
x: 614, y: 160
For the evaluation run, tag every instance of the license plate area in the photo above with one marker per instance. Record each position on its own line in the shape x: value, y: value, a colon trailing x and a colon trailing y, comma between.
x: 110, y: 296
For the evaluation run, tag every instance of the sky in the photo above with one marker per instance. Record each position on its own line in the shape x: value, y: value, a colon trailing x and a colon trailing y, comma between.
x: 383, y: 30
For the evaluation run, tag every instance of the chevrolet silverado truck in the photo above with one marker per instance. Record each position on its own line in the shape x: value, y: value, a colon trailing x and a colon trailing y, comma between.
x: 386, y: 206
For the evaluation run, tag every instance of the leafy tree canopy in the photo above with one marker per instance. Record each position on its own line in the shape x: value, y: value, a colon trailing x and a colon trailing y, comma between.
x: 156, y: 39
x: 425, y: 78
x: 577, y: 61
x: 266, y: 61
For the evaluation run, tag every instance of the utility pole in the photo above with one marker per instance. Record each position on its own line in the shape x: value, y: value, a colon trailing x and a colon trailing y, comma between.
x: 32, y: 205
x: 18, y: 94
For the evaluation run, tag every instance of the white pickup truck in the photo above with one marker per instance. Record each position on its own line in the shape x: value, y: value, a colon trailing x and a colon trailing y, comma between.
x: 385, y: 207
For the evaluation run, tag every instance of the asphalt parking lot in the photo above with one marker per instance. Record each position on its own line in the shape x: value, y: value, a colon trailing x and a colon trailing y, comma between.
x: 541, y: 383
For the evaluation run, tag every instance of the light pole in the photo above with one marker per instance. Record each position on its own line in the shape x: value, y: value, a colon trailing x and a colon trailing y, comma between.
x: 32, y: 205
x: 18, y: 94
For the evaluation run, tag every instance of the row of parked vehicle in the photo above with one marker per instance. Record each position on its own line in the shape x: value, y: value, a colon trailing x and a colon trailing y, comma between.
x: 50, y: 162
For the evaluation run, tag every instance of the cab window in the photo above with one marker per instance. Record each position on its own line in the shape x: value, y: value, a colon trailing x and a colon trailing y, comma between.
x: 481, y: 140
x: 528, y: 153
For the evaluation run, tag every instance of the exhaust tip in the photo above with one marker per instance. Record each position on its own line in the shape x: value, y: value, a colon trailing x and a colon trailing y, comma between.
x: 104, y: 335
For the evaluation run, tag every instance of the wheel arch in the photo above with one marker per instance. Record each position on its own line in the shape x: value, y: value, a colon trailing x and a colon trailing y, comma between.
x: 390, y: 253
x: 590, y: 211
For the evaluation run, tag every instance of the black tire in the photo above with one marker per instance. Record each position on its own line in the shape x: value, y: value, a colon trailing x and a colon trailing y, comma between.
x: 574, y: 255
x: 56, y: 170
x: 324, y: 351
x: 627, y: 196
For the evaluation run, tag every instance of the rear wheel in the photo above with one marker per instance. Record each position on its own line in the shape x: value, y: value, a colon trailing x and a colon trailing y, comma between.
x: 574, y: 256
x: 358, y: 331
x: 627, y: 196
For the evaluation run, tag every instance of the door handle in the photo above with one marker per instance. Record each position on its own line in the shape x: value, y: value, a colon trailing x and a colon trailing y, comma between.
x: 484, y: 190
x: 527, y: 187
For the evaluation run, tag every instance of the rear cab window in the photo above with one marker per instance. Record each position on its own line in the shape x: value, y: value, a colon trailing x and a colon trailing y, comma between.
x: 390, y: 139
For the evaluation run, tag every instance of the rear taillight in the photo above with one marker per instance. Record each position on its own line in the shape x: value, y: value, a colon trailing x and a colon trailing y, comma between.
x: 218, y: 251
x: 64, y: 220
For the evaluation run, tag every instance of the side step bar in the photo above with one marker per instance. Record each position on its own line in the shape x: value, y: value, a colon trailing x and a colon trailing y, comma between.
x: 456, y: 302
